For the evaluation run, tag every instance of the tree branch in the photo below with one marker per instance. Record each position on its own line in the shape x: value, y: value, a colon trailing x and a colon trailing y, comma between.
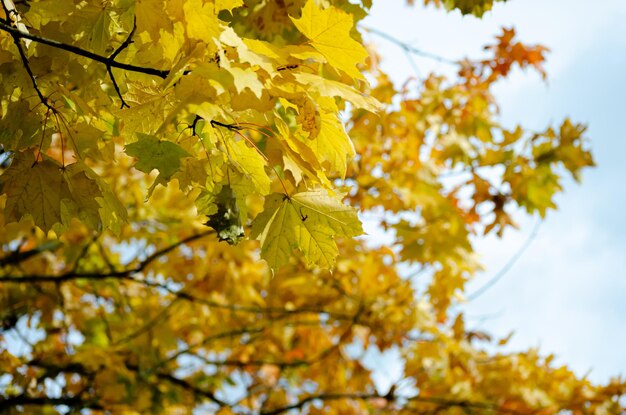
x: 17, y: 40
x: 322, y: 397
x: 108, y: 61
x: 127, y: 274
x: 78, y: 368
x: 25, y: 400
x: 183, y: 384
x: 390, y: 397
x: 117, y: 51
x: 507, y: 267
x: 17, y: 256
x: 409, y: 48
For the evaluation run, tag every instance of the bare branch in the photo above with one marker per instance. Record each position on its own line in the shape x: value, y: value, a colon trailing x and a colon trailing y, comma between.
x: 409, y: 48
x: 17, y: 256
x: 20, y: 48
x: 507, y: 267
x: 24, y: 400
x: 84, y: 53
x: 390, y: 397
x: 127, y: 274
x: 117, y: 51
x: 322, y: 397
x: 82, y: 370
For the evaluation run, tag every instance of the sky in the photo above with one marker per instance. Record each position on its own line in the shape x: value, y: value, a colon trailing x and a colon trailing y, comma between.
x: 566, y: 294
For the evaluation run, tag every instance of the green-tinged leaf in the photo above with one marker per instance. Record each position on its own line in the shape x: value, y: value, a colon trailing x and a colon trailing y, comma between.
x: 307, y: 221
x: 152, y: 153
x: 251, y: 164
x: 100, y: 37
x: 227, y: 220
x: 475, y: 7
x: 84, y: 191
x: 22, y: 132
x: 112, y: 211
x: 192, y: 172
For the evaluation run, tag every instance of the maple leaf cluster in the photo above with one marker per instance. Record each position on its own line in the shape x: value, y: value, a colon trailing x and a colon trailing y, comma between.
x: 181, y: 184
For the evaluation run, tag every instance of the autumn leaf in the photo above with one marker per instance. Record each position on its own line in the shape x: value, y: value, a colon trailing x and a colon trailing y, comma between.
x: 475, y: 7
x: 202, y: 22
x: 264, y: 123
x: 331, y: 144
x: 329, y: 32
x: 34, y: 189
x: 85, y: 192
x: 307, y: 221
x: 251, y: 164
x: 21, y: 133
x: 152, y: 153
x: 227, y: 220
x: 329, y: 88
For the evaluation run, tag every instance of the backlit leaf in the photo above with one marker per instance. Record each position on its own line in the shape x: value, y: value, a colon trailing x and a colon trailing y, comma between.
x: 34, y: 189
x: 329, y: 32
x: 152, y: 153
x: 306, y: 221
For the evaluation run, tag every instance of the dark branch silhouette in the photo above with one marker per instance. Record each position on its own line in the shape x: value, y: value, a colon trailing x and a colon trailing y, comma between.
x: 15, y: 33
x: 127, y: 274
x: 124, y: 45
x: 107, y: 61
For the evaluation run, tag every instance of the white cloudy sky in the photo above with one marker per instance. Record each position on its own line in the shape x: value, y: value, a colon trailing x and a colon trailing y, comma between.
x: 567, y: 293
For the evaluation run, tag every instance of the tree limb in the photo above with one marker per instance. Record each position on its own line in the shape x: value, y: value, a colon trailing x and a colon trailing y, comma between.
x: 441, y: 402
x: 409, y: 48
x: 117, y: 51
x: 17, y: 40
x: 127, y: 274
x: 17, y: 256
x: 322, y: 397
x: 108, y: 61
x: 24, y: 400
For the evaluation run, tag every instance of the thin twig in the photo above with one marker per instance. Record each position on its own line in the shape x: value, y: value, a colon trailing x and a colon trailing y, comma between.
x: 16, y: 257
x: 409, y: 48
x: 390, y: 397
x: 16, y: 34
x: 25, y: 400
x: 161, y: 73
x: 322, y: 397
x: 127, y: 274
x: 117, y: 51
x: 507, y: 267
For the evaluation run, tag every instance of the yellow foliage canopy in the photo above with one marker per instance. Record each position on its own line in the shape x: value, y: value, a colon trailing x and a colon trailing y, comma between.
x: 181, y: 184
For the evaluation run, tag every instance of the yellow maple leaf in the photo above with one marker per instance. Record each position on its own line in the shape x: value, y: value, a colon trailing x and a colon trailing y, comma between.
x: 331, y: 144
x: 307, y: 221
x: 34, y: 189
x: 228, y: 4
x: 327, y: 88
x: 202, y: 21
x: 329, y: 32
